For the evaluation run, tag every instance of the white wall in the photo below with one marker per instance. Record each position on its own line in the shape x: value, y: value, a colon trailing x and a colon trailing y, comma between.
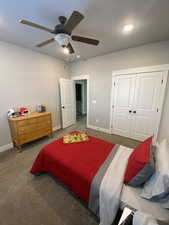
x: 27, y: 78
x: 100, y: 70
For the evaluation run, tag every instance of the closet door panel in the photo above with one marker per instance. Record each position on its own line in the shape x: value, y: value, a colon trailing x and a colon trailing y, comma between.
x: 147, y: 93
x: 142, y: 127
x: 123, y: 101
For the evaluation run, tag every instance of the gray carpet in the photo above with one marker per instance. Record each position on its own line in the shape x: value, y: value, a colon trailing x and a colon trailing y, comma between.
x: 29, y: 200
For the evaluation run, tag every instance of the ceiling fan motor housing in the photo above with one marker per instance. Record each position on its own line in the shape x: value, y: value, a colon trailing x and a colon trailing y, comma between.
x: 62, y: 19
x: 60, y: 28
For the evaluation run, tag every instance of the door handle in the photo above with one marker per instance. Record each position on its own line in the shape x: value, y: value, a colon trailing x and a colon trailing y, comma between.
x: 130, y: 111
x: 134, y: 111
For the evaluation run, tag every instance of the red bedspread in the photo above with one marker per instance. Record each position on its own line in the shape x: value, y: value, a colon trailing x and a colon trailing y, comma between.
x: 75, y: 165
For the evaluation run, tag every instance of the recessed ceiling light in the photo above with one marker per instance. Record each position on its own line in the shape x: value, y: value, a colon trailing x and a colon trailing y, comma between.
x: 78, y: 56
x: 66, y: 50
x: 128, y: 27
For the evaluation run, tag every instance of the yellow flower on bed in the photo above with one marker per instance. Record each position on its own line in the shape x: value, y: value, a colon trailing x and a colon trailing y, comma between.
x: 75, y: 137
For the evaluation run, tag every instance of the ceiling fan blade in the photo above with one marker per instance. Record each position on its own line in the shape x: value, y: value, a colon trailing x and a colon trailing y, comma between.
x: 71, y: 50
x: 45, y: 42
x: 73, y: 21
x: 36, y: 25
x: 85, y: 40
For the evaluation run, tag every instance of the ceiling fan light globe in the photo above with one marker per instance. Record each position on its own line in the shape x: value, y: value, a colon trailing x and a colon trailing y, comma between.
x: 66, y: 51
x: 128, y: 27
x: 62, y: 39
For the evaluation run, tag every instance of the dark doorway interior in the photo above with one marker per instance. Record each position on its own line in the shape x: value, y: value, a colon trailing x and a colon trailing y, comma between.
x: 78, y: 100
x: 78, y: 92
x: 81, y: 100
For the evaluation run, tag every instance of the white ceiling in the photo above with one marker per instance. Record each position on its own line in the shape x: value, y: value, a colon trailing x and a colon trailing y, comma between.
x: 104, y: 20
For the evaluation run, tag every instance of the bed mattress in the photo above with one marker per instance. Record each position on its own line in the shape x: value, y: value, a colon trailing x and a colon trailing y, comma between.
x: 131, y: 196
x: 75, y: 165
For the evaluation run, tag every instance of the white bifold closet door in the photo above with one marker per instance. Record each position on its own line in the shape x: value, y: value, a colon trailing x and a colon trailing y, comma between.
x: 135, y: 106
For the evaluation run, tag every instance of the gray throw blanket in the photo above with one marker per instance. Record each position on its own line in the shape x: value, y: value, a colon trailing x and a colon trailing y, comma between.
x: 107, y: 184
x: 95, y: 186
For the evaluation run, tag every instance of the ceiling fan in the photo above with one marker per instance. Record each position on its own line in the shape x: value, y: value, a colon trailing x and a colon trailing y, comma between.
x: 63, y: 32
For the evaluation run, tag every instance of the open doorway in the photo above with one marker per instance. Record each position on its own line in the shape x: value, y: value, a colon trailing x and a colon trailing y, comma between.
x: 75, y: 101
x: 81, y: 100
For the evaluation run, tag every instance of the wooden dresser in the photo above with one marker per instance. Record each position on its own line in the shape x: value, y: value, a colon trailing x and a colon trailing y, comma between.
x: 31, y: 127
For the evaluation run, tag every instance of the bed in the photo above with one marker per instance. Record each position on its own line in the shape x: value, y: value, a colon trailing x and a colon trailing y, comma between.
x: 82, y: 167
x: 75, y: 164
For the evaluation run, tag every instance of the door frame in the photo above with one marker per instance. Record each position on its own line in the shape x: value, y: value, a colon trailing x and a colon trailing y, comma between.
x: 159, y: 68
x: 83, y: 77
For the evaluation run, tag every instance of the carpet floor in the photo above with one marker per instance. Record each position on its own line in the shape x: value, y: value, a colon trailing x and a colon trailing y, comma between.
x: 29, y: 200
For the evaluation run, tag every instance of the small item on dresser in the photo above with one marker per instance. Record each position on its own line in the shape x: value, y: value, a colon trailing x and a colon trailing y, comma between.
x: 41, y: 108
x: 12, y: 113
x: 75, y: 137
x: 23, y: 111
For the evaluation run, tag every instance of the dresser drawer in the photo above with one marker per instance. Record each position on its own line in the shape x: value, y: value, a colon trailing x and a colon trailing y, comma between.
x: 43, y: 132
x: 43, y: 125
x: 44, y: 119
x: 31, y: 121
x: 31, y: 128
x: 22, y: 123
x: 26, y: 122
x: 24, y: 138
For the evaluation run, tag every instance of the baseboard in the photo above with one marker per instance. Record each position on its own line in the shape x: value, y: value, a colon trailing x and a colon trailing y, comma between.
x: 107, y: 131
x: 6, y: 147
x: 10, y: 145
x: 56, y: 128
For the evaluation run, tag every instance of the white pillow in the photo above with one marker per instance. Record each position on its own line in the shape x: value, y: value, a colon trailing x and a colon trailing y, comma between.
x: 162, y: 157
x: 157, y: 187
